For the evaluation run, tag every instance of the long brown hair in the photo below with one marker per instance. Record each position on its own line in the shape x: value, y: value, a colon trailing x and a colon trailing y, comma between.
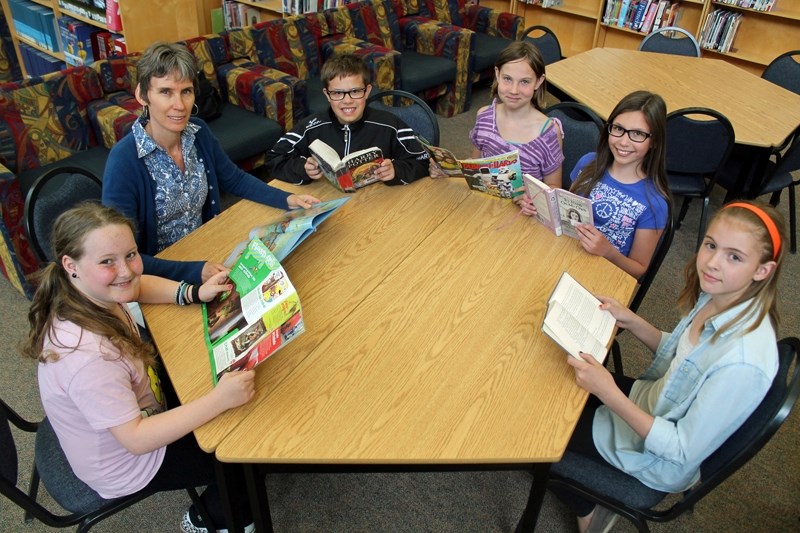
x: 764, y: 292
x: 654, y: 163
x: 57, y: 298
x: 533, y: 57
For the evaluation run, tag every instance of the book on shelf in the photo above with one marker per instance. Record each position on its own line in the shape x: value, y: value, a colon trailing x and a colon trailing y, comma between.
x: 352, y: 172
x: 558, y: 209
x: 574, y: 320
x: 623, y: 13
x: 259, y: 316
x: 499, y: 175
x: 282, y: 235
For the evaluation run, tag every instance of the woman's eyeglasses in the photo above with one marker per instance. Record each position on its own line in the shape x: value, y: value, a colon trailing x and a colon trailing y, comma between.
x: 356, y: 94
x: 637, y: 136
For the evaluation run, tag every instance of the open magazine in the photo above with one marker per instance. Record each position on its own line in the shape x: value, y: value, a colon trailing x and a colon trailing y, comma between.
x: 499, y: 175
x: 348, y: 173
x: 558, y: 209
x: 285, y: 233
x: 260, y: 315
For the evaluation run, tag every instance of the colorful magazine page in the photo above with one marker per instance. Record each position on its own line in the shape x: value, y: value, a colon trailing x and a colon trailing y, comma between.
x: 260, y: 315
x: 499, y: 176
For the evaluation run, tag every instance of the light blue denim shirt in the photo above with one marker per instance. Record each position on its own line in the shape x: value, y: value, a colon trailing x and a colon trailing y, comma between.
x: 701, y: 404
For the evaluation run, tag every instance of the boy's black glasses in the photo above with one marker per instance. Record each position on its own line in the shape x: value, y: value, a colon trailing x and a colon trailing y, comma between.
x: 637, y: 136
x: 356, y: 94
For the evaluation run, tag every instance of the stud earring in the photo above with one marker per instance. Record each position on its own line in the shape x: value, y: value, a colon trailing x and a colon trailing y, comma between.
x: 74, y: 275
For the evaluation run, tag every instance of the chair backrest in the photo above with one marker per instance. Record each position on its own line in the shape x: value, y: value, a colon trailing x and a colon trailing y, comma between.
x: 671, y: 40
x: 784, y: 70
x: 664, y: 243
x: 582, y: 129
x: 545, y: 40
x: 699, y: 141
x: 418, y: 115
x: 51, y: 194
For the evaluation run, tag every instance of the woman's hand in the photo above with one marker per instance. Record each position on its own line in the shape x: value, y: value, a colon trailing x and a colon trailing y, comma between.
x: 218, y: 283
x: 312, y: 169
x: 592, y: 377
x: 593, y: 240
x: 526, y: 205
x: 385, y: 172
x: 236, y: 388
x: 303, y: 201
x: 210, y: 269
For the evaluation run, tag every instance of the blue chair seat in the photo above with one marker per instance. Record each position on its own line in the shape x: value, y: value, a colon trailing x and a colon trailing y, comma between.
x: 686, y: 185
x: 315, y: 98
x: 487, y: 48
x: 419, y: 71
x: 243, y: 134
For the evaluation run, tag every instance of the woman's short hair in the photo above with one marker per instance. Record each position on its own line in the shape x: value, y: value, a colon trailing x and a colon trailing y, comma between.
x: 162, y: 59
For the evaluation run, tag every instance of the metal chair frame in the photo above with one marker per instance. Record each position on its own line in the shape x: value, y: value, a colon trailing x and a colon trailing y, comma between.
x: 661, y: 36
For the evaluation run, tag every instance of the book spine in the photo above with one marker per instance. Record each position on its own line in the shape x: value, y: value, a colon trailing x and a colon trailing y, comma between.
x: 638, y: 18
x: 552, y: 202
x: 623, y: 12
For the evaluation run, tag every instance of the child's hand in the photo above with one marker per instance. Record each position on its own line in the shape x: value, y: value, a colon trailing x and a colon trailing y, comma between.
x: 312, y: 169
x: 593, y: 240
x: 210, y: 269
x: 591, y: 376
x: 236, y: 388
x: 303, y: 201
x: 621, y: 314
x: 385, y: 172
x: 216, y: 284
x: 525, y: 205
x: 434, y: 170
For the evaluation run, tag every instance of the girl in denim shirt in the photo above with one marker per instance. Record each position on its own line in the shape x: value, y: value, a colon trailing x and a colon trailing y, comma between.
x: 662, y: 426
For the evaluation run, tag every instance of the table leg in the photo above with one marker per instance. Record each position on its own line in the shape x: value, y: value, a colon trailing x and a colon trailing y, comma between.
x: 535, y: 498
x: 224, y: 478
x: 259, y: 502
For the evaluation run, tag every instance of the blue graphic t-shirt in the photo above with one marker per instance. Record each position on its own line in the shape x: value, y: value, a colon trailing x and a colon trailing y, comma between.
x: 620, y: 209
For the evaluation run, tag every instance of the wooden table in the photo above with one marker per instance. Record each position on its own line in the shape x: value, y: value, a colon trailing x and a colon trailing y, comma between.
x: 423, y: 309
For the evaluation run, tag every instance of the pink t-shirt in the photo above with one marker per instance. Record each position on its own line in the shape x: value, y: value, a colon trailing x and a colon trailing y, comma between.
x: 90, y: 389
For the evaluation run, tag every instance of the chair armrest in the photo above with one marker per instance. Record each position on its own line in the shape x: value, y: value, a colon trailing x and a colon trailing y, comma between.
x: 263, y: 90
x: 383, y: 62
x: 16, y: 257
x: 110, y: 121
x: 494, y: 22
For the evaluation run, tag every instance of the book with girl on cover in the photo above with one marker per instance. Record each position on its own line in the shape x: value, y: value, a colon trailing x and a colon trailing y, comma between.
x: 499, y: 175
x: 558, y: 209
x: 352, y: 172
x: 260, y: 315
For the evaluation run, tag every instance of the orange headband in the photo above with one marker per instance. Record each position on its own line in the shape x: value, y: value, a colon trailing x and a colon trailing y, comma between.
x: 768, y: 222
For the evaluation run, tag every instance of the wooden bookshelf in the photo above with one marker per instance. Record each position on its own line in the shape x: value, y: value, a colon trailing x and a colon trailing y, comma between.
x: 143, y: 21
x: 761, y: 37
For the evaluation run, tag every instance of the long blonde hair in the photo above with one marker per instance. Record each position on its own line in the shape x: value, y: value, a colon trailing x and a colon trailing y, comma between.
x: 57, y: 298
x: 763, y: 293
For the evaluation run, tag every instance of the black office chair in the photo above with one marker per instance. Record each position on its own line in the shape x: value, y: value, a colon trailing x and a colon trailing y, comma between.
x: 628, y: 497
x: 671, y: 40
x: 418, y: 115
x: 784, y: 70
x: 86, y: 507
x: 50, y: 195
x: 582, y: 129
x: 660, y: 253
x: 545, y: 40
x: 699, y: 141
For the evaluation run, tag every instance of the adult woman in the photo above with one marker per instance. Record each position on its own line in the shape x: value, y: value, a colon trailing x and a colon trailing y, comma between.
x: 169, y: 173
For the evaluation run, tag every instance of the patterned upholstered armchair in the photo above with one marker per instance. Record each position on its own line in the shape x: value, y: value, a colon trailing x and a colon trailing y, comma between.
x: 494, y: 30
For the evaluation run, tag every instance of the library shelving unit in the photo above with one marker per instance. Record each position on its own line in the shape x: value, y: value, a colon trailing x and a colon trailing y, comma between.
x: 268, y: 9
x: 143, y: 21
x: 761, y: 37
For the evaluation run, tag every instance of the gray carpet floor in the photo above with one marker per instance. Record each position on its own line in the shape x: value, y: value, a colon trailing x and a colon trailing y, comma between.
x: 764, y: 496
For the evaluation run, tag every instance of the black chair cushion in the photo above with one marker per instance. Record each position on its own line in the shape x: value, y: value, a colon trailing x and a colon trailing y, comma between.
x: 93, y: 160
x: 607, y: 480
x: 419, y: 71
x: 60, y: 481
x: 686, y: 184
x: 487, y: 48
x: 243, y: 134
x: 316, y: 102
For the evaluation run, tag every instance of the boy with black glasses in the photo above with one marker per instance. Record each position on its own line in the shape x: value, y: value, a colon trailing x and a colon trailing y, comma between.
x: 347, y: 127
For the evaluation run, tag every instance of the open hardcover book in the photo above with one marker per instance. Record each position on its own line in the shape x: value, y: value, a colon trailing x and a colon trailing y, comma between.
x: 575, y: 321
x: 260, y: 315
x: 499, y: 175
x: 352, y: 172
x: 558, y: 209
x: 285, y: 233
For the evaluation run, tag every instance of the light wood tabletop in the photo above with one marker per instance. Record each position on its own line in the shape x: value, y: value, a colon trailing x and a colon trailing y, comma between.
x: 762, y: 113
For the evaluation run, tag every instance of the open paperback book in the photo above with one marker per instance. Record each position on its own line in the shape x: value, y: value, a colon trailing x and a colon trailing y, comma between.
x: 498, y: 175
x: 575, y: 321
x: 352, y: 172
x: 260, y: 315
x: 285, y: 233
x: 558, y: 209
